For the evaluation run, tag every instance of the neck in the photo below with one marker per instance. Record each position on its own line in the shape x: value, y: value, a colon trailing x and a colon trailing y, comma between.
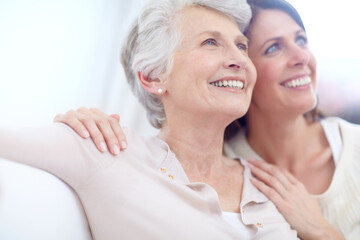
x: 198, y: 144
x: 281, y: 140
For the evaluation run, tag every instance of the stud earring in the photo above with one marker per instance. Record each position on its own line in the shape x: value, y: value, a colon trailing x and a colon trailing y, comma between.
x: 160, y: 91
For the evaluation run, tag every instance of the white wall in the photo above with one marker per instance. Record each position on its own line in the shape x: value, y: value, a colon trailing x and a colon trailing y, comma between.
x: 59, y: 55
x: 334, y: 39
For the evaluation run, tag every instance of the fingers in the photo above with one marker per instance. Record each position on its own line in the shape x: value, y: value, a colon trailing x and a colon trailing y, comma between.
x: 271, y: 175
x: 70, y: 119
x: 104, y: 130
x: 272, y: 194
x: 96, y: 134
x: 273, y: 182
x: 291, y: 178
x: 116, y: 116
x: 290, y: 197
x: 118, y: 131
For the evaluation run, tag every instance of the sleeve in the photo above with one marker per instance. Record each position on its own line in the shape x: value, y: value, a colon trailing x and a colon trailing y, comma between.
x: 55, y: 148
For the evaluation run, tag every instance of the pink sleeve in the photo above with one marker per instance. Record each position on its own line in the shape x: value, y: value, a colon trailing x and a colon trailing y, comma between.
x: 55, y: 148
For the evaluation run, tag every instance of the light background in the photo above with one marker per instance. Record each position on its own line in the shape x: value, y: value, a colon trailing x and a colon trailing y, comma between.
x: 60, y: 55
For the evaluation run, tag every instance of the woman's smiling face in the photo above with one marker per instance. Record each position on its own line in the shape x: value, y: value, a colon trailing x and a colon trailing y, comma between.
x: 211, y: 72
x: 286, y: 68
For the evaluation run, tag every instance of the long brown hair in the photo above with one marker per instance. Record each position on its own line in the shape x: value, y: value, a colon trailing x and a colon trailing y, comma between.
x: 256, y: 7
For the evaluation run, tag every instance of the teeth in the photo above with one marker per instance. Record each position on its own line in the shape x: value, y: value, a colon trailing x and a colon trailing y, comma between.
x: 230, y: 83
x: 298, y: 82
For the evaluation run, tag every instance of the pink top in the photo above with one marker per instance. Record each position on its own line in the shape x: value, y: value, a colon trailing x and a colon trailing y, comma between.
x: 143, y: 193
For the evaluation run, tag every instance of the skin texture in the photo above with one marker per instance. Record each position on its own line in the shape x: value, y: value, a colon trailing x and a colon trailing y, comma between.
x: 296, y: 151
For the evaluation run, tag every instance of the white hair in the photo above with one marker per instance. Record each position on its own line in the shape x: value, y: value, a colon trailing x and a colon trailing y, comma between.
x: 153, y: 38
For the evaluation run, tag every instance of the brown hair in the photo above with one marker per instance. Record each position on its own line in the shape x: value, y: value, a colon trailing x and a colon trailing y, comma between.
x: 256, y: 7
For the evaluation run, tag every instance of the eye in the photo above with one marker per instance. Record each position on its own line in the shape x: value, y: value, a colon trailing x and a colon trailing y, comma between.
x: 210, y: 41
x: 242, y: 46
x: 273, y: 48
x: 301, y: 41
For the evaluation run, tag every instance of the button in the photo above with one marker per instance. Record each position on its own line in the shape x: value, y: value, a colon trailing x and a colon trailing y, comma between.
x: 259, y: 225
x: 171, y: 176
x: 242, y: 210
x: 163, y: 169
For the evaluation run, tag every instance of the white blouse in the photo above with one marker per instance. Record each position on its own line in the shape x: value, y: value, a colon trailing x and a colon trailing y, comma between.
x: 333, y: 136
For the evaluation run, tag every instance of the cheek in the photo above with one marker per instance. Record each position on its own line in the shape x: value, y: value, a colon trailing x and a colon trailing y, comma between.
x: 206, y: 62
x: 252, y: 73
x: 265, y: 72
x: 312, y: 66
x: 267, y: 79
x: 202, y: 65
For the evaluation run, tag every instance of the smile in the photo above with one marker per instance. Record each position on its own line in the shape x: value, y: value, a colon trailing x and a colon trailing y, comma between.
x: 236, y: 84
x: 298, y: 82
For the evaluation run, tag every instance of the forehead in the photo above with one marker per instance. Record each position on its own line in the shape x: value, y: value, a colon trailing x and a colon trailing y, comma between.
x: 195, y: 20
x: 272, y: 23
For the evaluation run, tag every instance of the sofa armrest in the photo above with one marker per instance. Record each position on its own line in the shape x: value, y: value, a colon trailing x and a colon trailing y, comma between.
x: 36, y: 205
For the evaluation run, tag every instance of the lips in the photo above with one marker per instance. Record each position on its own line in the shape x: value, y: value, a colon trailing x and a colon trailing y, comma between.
x: 236, y: 84
x: 298, y: 82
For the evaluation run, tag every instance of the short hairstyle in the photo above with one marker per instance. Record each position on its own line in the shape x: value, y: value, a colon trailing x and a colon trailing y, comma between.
x: 153, y: 38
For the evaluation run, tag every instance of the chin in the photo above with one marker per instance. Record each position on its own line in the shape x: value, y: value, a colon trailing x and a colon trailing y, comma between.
x: 309, y: 106
x: 240, y: 111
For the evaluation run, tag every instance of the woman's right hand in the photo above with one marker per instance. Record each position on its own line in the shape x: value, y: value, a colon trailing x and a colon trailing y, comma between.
x: 104, y: 129
x: 291, y: 198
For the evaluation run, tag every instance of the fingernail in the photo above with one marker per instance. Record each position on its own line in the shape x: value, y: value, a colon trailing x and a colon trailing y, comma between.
x: 116, y: 149
x: 123, y: 145
x: 103, y: 147
x: 253, y: 179
x: 85, y: 134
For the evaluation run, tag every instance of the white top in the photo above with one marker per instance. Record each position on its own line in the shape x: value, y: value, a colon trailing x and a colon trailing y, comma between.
x: 142, y: 193
x: 340, y: 203
x: 235, y: 220
x: 332, y: 133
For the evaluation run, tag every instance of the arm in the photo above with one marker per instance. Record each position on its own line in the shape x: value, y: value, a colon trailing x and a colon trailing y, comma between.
x: 104, y: 129
x: 54, y: 148
x: 293, y: 201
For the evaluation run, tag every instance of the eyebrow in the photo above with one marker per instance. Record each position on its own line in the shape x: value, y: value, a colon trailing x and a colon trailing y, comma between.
x: 242, y: 38
x: 278, y: 38
x: 270, y: 40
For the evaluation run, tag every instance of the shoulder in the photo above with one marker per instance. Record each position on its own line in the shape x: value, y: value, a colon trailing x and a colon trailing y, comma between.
x: 238, y: 146
x: 343, y: 124
x: 339, y: 201
x: 350, y: 135
x: 145, y: 149
x: 140, y: 149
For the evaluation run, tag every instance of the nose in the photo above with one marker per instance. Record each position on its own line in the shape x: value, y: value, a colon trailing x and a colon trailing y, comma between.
x: 236, y: 59
x: 299, y: 56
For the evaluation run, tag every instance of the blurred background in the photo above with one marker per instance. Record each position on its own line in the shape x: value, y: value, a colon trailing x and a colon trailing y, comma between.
x: 60, y: 55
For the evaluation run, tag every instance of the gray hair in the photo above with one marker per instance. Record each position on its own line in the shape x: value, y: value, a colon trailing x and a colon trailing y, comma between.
x: 153, y: 38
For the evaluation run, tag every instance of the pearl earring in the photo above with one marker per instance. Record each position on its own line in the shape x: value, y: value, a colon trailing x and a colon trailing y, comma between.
x: 160, y: 91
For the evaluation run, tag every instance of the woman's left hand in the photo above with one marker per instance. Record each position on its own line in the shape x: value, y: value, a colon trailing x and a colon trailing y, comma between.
x: 290, y: 196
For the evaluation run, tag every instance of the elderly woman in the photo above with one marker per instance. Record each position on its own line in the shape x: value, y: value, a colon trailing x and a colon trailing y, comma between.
x: 187, y: 63
x: 281, y: 128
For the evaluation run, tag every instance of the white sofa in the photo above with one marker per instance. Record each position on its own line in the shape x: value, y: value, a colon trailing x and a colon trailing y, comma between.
x: 36, y: 205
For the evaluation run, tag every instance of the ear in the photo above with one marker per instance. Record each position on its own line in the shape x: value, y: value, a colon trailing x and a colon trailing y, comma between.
x: 154, y: 86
